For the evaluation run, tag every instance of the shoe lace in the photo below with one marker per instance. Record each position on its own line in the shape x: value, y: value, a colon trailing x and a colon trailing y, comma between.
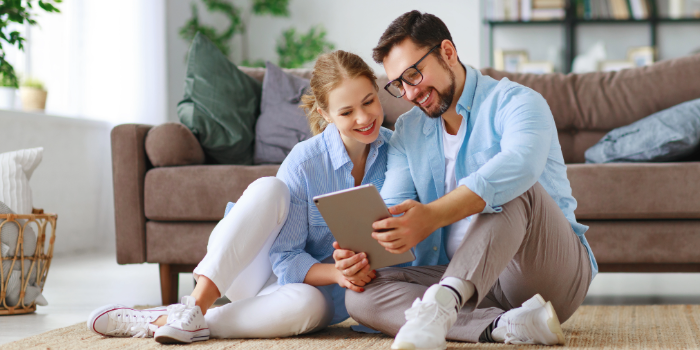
x: 180, y: 312
x: 519, y: 328
x: 130, y: 322
x: 431, y: 310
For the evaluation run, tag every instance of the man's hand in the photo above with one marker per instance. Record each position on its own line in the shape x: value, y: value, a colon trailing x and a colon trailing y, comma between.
x: 399, y: 234
x: 354, y: 271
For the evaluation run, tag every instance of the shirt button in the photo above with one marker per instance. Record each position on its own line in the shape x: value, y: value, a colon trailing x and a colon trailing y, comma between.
x: 469, y: 108
x: 435, y: 248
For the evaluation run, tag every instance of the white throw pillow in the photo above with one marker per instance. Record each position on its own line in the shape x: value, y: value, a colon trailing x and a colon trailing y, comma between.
x: 15, y: 170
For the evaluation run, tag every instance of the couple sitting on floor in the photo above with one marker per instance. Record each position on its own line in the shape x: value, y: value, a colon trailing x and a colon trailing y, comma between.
x: 473, y: 145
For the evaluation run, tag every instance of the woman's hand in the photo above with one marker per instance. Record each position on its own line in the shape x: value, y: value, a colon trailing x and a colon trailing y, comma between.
x: 354, y: 270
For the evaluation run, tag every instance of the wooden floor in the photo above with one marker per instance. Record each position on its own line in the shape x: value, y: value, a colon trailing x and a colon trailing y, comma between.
x: 78, y: 284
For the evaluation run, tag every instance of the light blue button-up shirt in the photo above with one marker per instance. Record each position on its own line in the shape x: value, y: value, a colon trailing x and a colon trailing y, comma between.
x: 510, y: 144
x: 314, y: 167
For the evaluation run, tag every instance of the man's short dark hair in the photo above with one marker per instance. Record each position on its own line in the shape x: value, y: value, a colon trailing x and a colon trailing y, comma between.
x: 424, y: 29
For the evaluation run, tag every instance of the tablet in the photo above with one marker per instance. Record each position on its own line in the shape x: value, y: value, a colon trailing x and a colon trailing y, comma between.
x: 350, y: 214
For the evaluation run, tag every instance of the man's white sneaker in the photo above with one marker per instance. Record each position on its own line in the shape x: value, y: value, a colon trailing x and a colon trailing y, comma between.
x: 121, y: 321
x: 535, y: 322
x: 186, y: 324
x: 428, y: 321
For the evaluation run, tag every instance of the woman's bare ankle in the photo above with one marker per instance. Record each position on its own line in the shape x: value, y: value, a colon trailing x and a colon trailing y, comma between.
x: 205, y: 293
x: 161, y: 321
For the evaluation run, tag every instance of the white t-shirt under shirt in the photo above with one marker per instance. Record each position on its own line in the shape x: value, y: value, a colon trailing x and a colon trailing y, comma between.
x: 451, y: 145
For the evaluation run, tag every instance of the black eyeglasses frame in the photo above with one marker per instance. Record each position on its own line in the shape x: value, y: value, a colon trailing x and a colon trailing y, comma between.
x: 414, y: 66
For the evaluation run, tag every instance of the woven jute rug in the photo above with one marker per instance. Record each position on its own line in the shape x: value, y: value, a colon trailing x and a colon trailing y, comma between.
x: 592, y: 327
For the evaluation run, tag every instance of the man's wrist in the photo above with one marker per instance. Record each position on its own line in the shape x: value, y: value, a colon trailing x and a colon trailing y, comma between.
x: 435, y: 219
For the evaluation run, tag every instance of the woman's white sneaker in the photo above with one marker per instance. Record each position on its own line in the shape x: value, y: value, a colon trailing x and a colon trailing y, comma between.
x: 121, y: 321
x: 535, y: 322
x: 186, y: 324
x: 428, y: 321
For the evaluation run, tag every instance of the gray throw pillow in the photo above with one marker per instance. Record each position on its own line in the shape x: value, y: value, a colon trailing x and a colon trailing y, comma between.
x: 221, y: 104
x: 10, y: 232
x: 282, y: 124
x: 664, y: 136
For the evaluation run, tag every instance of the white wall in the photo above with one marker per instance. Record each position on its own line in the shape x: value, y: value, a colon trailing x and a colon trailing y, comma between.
x: 351, y: 25
x: 74, y: 179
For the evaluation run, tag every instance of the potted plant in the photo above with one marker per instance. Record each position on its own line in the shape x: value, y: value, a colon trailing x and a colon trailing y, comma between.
x: 33, y: 95
x: 8, y: 92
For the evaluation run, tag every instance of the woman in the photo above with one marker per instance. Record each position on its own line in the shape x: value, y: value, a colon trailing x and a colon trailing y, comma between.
x: 276, y: 226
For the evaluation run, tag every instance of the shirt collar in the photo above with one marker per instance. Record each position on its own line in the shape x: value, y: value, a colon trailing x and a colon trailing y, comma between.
x: 336, y: 148
x: 466, y: 101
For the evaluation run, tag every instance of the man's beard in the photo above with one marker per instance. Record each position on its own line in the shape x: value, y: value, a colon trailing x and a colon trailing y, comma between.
x: 444, y: 99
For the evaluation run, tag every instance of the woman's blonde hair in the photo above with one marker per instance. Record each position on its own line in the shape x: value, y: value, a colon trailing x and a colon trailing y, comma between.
x: 329, y: 71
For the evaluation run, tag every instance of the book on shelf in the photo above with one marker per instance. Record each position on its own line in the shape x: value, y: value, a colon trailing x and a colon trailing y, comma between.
x: 503, y: 10
x: 613, y: 9
x: 676, y: 9
x: 548, y: 14
x: 548, y: 4
x: 525, y: 10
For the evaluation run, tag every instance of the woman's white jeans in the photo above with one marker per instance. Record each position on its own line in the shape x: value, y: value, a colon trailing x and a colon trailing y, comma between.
x: 237, y: 262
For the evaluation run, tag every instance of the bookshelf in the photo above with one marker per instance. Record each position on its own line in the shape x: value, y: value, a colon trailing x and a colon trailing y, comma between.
x: 571, y: 22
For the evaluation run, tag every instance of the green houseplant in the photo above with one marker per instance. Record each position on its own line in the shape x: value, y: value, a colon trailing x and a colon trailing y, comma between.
x: 294, y: 49
x: 20, y: 12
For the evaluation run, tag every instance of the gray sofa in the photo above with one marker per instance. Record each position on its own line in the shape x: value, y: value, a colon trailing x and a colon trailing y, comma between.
x: 643, y: 217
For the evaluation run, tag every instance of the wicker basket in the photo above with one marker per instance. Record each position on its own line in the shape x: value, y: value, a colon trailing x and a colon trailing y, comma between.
x: 40, y: 262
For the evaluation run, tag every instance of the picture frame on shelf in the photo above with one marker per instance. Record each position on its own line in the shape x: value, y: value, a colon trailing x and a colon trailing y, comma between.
x: 614, y: 66
x: 509, y: 60
x: 641, y: 56
x: 536, y: 67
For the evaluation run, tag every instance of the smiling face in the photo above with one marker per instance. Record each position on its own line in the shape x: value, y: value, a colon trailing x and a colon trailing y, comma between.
x: 355, y: 110
x: 435, y: 93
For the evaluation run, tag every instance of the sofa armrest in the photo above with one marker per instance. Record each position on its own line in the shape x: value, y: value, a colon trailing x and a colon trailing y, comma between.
x: 129, y: 166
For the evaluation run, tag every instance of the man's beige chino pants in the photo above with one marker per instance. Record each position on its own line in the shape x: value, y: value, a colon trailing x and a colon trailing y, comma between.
x: 510, y: 256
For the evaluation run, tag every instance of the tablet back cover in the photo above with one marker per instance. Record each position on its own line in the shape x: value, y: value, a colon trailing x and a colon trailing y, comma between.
x: 350, y: 214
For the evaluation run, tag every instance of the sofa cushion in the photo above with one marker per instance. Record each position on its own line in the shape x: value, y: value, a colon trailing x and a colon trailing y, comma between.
x: 664, y: 136
x: 608, y: 100
x: 575, y: 142
x: 644, y: 241
x: 198, y: 192
x: 173, y: 144
x: 636, y: 190
x: 165, y: 241
x: 282, y: 124
x: 221, y: 104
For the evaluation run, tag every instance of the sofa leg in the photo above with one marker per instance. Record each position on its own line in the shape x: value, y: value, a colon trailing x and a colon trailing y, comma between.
x: 169, y: 281
x: 168, y: 284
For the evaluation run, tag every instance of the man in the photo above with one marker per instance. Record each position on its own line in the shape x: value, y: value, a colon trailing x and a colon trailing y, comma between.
x: 473, y: 145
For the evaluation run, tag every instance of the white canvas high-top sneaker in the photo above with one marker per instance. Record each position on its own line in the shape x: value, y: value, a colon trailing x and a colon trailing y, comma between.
x: 186, y: 324
x: 121, y: 321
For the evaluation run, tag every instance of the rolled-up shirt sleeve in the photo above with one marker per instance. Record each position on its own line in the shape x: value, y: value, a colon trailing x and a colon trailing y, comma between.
x: 290, y: 261
x: 527, y: 126
x: 398, y: 183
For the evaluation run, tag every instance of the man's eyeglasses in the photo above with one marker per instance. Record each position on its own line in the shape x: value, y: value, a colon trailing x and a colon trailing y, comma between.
x: 411, y: 76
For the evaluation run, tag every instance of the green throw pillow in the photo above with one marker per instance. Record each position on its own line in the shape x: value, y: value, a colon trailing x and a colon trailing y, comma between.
x: 221, y: 104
